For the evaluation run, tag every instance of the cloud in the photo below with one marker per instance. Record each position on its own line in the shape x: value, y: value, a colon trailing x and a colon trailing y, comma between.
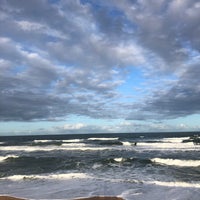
x: 181, y: 99
x: 70, y: 57
x: 74, y: 126
x: 56, y: 66
x: 163, y: 28
x: 122, y: 127
x: 78, y: 128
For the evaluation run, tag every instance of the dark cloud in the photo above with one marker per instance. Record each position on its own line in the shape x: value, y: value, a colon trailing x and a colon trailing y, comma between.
x: 51, y: 65
x: 165, y: 28
x: 181, y: 100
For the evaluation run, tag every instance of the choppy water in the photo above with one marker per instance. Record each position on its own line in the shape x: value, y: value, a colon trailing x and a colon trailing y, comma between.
x: 67, y: 167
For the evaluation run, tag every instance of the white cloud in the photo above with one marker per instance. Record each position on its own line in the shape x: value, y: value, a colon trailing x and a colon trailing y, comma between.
x: 30, y: 26
x: 74, y: 126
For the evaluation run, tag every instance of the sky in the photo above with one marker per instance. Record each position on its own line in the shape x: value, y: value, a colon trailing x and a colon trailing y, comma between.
x: 94, y: 66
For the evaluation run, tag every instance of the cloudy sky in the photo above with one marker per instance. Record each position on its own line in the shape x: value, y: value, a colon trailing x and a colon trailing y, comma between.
x: 80, y: 66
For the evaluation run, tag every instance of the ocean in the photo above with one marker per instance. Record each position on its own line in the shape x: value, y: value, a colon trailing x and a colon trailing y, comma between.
x: 148, y: 166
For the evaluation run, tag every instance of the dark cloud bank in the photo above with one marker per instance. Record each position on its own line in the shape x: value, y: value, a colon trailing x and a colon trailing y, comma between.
x: 59, y: 58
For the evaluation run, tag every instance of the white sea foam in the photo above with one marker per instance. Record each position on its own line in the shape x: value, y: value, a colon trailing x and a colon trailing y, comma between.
x: 73, y: 145
x: 73, y: 141
x: 177, y: 162
x: 96, y: 166
x: 106, y: 139
x: 170, y: 146
x: 68, y: 176
x: 88, y: 148
x: 37, y: 141
x: 174, y: 139
x: 63, y: 147
x: 45, y: 141
x: 3, y: 158
x: 159, y: 191
x: 176, y: 184
x: 48, y: 177
x: 126, y: 143
x: 118, y: 159
x: 27, y: 148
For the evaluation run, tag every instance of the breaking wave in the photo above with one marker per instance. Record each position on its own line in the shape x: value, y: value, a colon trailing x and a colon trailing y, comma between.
x: 103, y: 139
x: 4, y: 158
x: 176, y: 184
x: 48, y: 176
x: 177, y: 162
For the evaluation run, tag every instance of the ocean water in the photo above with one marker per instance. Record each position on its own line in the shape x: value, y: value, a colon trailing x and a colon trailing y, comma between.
x: 132, y: 166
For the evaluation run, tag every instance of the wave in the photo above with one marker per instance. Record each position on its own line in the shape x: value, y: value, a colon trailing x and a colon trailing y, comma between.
x: 46, y: 142
x: 83, y: 147
x: 127, y: 143
x: 28, y: 148
x: 169, y: 146
x: 130, y: 161
x: 4, y: 158
x: 176, y: 184
x: 102, y: 145
x: 177, y: 162
x: 104, y: 139
x: 174, y: 139
x: 73, y: 145
x: 48, y: 176
x: 72, y: 141
x: 119, y: 159
x: 96, y: 166
x: 109, y: 142
x: 56, y: 142
x: 63, y: 147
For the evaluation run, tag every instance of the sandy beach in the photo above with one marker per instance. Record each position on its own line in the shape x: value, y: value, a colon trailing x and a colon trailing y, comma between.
x: 88, y: 198
x: 10, y: 198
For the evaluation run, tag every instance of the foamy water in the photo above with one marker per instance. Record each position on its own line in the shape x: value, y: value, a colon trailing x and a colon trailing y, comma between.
x: 176, y: 184
x: 71, y: 146
x: 154, y: 168
x: 73, y: 141
x: 45, y: 141
x: 3, y: 158
x: 171, y: 145
x: 104, y: 139
x: 118, y: 159
x: 177, y: 162
x: 47, y: 177
x: 127, y: 143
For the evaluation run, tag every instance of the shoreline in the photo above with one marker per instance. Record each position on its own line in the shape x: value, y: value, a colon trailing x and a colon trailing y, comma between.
x: 2, y: 197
